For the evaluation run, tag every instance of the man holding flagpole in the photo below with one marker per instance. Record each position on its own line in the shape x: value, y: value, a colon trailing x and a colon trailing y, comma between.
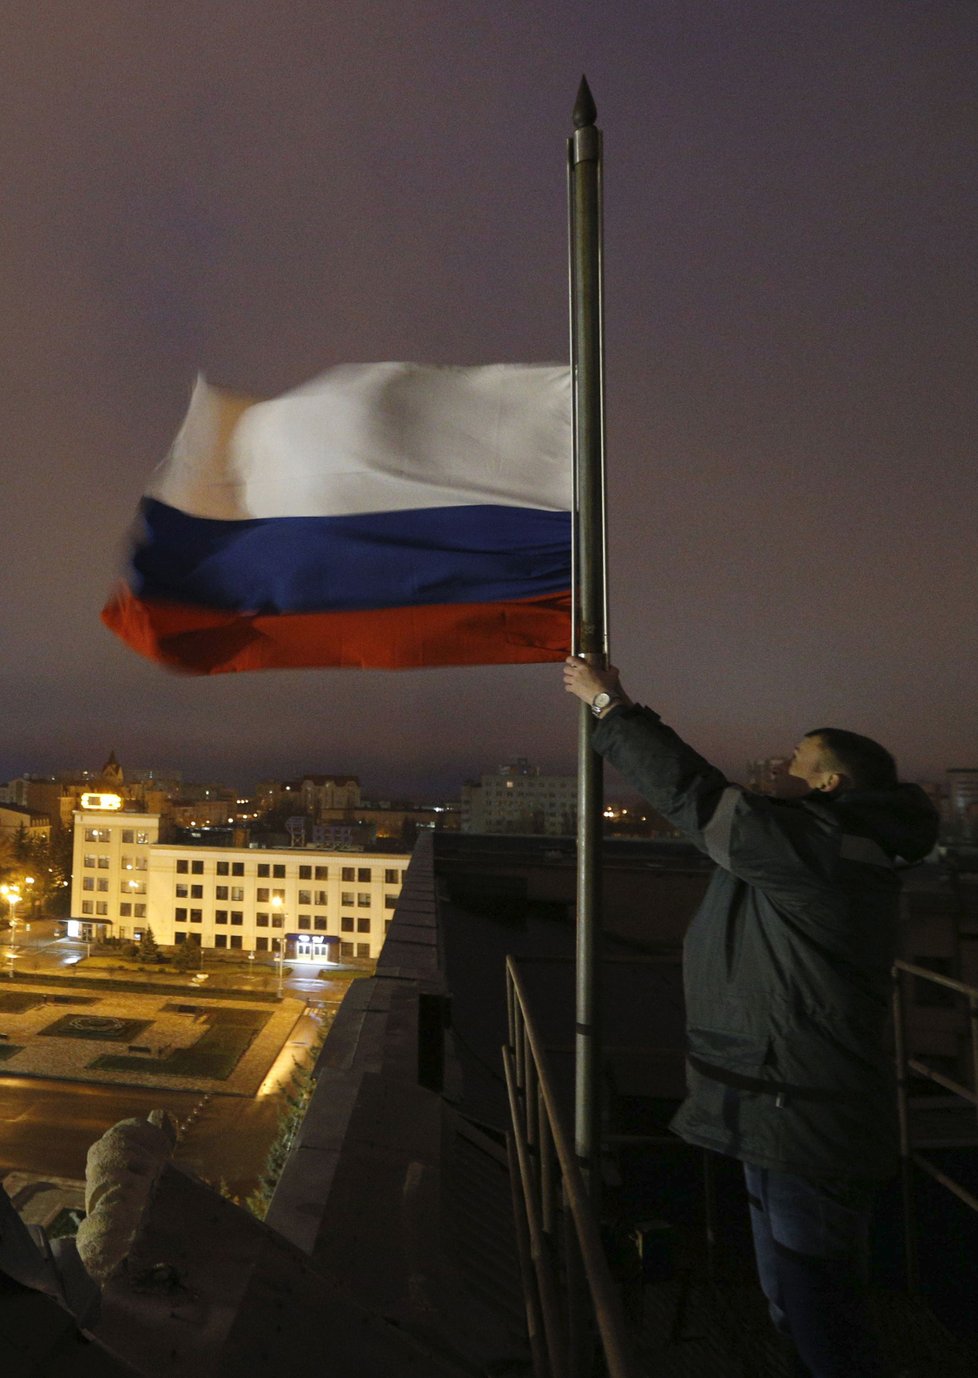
x: 786, y: 969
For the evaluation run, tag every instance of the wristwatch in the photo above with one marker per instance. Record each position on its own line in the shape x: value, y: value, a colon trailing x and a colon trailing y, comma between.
x: 602, y: 701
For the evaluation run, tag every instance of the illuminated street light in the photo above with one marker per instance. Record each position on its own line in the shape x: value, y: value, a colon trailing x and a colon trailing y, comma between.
x: 12, y: 895
x: 278, y: 902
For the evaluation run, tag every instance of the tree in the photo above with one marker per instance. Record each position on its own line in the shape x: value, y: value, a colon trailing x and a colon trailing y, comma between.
x: 148, y: 946
x: 187, y: 956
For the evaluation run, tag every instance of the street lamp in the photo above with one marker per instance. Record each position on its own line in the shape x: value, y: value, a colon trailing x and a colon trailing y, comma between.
x: 277, y: 902
x: 12, y: 895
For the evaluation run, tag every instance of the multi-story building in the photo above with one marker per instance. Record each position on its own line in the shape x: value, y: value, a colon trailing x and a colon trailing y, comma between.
x: 963, y: 803
x: 518, y: 799
x: 306, y: 903
x: 19, y: 819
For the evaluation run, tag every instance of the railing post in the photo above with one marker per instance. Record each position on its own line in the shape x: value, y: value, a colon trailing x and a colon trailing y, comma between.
x: 580, y: 1341
x: 531, y: 1294
x: 547, y: 1199
x: 906, y: 1159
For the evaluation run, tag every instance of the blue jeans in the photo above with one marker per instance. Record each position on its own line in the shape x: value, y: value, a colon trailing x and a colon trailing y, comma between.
x: 811, y: 1241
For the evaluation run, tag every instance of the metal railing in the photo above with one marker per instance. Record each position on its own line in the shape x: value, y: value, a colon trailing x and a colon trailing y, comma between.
x: 909, y: 1157
x: 572, y: 1301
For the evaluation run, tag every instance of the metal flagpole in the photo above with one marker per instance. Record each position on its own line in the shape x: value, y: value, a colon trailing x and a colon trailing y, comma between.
x: 590, y: 634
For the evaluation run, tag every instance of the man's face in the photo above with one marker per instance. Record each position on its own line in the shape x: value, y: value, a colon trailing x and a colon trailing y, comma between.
x: 805, y: 763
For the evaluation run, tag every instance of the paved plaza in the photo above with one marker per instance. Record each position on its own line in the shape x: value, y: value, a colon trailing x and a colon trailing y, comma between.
x: 65, y: 1036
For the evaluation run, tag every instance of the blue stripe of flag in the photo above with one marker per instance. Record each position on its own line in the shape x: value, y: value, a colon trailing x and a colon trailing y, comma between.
x: 469, y: 554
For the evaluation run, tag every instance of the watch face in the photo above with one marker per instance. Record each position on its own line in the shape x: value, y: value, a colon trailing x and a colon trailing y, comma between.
x: 601, y: 700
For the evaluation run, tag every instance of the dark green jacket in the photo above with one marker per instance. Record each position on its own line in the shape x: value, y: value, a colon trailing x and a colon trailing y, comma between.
x: 787, y: 962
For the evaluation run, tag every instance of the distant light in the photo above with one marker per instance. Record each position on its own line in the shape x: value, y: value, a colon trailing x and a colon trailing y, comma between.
x: 103, y: 802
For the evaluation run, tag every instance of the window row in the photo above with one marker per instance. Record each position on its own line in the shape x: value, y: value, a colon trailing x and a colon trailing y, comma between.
x: 277, y: 871
x: 235, y: 942
x: 137, y: 837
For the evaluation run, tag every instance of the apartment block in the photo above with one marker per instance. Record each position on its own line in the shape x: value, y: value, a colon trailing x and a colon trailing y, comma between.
x: 311, y: 904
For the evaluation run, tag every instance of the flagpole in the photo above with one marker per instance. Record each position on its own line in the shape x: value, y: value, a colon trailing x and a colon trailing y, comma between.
x: 590, y: 634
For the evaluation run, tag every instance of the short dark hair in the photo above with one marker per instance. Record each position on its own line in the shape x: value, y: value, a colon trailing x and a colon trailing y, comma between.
x: 865, y: 763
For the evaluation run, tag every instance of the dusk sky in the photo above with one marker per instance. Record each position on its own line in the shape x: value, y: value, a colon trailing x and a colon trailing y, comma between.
x: 263, y: 190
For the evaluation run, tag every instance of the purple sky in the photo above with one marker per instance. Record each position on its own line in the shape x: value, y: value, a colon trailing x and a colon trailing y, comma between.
x: 792, y: 316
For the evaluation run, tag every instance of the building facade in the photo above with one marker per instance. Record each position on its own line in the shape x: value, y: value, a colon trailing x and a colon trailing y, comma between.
x: 963, y: 803
x: 306, y: 903
x: 518, y: 799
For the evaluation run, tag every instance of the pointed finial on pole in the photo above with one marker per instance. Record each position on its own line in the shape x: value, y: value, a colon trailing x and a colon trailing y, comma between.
x: 585, y: 110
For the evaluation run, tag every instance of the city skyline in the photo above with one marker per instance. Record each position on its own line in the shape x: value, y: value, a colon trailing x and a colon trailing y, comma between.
x: 791, y: 336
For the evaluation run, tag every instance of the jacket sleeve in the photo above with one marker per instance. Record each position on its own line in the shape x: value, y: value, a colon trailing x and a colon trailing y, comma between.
x: 774, y: 847
x: 674, y: 778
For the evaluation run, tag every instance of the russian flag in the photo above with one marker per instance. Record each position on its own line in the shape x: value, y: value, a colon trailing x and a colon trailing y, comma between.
x: 381, y: 516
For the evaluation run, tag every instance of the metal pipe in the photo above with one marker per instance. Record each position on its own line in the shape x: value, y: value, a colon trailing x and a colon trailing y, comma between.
x: 607, y: 1303
x: 949, y: 1084
x: 547, y: 1186
x: 546, y: 1285
x: 954, y: 1187
x: 531, y: 1298
x: 589, y: 637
